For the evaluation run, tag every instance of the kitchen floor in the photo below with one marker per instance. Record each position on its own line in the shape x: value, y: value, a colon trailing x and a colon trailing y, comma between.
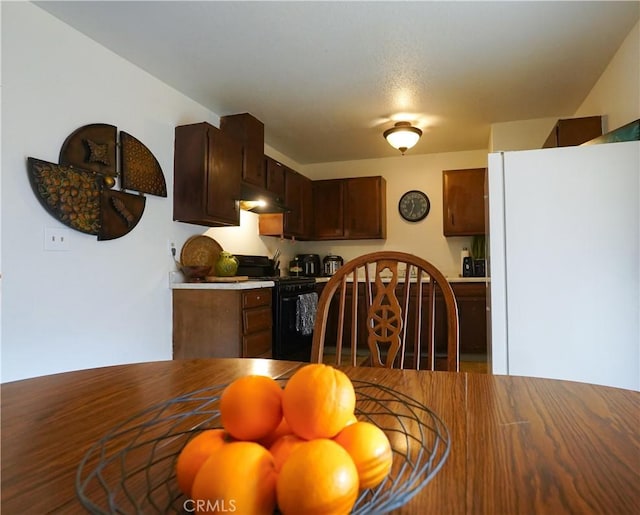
x: 481, y: 367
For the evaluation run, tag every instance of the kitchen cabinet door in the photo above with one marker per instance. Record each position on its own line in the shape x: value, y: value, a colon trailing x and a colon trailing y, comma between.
x: 328, y: 196
x: 350, y: 209
x: 463, y: 193
x: 257, y: 323
x: 308, y: 207
x: 365, y: 208
x: 472, y: 317
x: 275, y: 177
x: 298, y: 198
x: 207, y: 175
x: 249, y: 132
x: 333, y: 319
x: 574, y: 131
x: 222, y: 323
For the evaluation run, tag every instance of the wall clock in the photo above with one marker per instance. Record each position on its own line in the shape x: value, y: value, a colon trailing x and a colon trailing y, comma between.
x: 414, y: 206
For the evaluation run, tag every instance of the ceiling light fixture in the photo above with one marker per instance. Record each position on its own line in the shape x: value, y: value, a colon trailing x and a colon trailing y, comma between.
x: 402, y: 136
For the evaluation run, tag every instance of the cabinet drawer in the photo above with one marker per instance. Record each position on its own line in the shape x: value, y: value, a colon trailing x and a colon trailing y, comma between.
x: 256, y: 298
x: 254, y: 320
x: 257, y: 345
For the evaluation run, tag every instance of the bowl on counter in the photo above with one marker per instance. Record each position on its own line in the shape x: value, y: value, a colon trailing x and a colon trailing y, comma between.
x: 195, y: 272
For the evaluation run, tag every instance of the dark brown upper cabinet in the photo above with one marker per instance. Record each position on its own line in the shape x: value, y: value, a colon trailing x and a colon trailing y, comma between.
x: 463, y: 193
x: 275, y: 172
x: 207, y: 176
x: 298, y: 197
x: 328, y: 196
x: 574, y: 131
x: 350, y: 209
x: 365, y: 211
x: 249, y: 131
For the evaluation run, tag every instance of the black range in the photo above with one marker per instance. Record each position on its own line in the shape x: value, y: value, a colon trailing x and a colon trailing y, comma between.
x: 294, y: 305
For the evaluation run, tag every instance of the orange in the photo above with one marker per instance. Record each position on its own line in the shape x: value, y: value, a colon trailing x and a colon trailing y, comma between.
x: 318, y: 401
x: 281, y: 430
x: 195, y: 453
x: 319, y: 477
x: 238, y: 477
x: 370, y: 450
x: 251, y: 407
x: 283, y: 447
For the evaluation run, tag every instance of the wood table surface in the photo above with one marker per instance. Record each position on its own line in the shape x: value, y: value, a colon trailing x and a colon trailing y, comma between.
x: 518, y: 445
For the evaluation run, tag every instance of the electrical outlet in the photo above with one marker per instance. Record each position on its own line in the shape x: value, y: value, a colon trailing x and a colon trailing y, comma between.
x: 172, y: 248
x: 56, y: 238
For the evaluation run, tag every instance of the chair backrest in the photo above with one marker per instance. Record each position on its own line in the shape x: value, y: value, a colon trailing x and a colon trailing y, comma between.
x: 391, y: 297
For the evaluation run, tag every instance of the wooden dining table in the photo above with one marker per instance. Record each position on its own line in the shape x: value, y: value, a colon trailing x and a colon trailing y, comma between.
x: 518, y: 445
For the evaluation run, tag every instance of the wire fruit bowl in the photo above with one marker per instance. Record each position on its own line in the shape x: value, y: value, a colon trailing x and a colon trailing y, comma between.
x: 132, y: 468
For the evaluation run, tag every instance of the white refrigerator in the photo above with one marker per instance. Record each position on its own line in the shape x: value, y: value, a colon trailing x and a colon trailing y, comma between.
x: 564, y: 263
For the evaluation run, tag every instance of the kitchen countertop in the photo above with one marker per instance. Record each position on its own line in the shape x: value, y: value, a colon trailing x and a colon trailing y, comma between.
x: 451, y: 279
x: 177, y: 282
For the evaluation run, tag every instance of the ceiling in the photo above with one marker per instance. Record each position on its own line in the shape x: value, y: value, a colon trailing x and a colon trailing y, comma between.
x: 327, y: 78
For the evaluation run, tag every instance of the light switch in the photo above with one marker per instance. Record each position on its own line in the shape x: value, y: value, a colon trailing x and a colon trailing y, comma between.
x: 56, y: 238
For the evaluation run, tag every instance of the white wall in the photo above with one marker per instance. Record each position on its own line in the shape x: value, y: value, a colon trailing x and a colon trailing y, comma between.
x: 403, y: 173
x: 100, y: 303
x: 615, y: 96
x: 521, y: 135
x: 617, y: 92
x: 105, y: 303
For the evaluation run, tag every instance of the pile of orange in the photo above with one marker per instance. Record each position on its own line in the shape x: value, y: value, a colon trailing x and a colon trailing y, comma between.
x: 300, y: 448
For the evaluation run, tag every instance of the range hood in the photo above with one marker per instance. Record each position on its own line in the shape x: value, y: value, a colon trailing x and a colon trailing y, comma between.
x: 257, y: 200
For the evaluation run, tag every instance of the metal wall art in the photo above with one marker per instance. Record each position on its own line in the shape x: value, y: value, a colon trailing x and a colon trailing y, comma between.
x: 78, y: 192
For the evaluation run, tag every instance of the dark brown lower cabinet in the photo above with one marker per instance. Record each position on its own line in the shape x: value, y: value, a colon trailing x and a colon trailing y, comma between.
x: 472, y: 314
x: 222, y: 323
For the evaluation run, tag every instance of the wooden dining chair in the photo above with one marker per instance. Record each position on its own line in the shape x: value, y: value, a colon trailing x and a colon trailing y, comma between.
x: 379, y: 310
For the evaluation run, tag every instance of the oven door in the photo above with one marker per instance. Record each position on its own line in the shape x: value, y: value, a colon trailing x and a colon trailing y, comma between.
x: 288, y: 341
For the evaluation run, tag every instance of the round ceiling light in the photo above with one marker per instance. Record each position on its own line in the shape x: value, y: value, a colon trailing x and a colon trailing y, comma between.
x: 402, y: 136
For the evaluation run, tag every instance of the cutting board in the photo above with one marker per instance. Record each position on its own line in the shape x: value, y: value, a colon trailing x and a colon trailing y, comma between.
x: 233, y: 279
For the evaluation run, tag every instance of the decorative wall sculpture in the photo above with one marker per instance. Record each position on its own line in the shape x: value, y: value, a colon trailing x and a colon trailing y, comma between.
x: 78, y: 192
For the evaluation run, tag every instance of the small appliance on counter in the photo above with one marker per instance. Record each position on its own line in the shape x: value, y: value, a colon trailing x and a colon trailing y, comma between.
x: 309, y: 264
x: 467, y: 263
x: 472, y: 267
x: 256, y: 266
x: 330, y: 264
x: 479, y: 268
x: 295, y: 267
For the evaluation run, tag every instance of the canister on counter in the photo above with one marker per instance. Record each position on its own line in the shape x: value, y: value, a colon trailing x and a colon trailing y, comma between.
x: 331, y: 263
